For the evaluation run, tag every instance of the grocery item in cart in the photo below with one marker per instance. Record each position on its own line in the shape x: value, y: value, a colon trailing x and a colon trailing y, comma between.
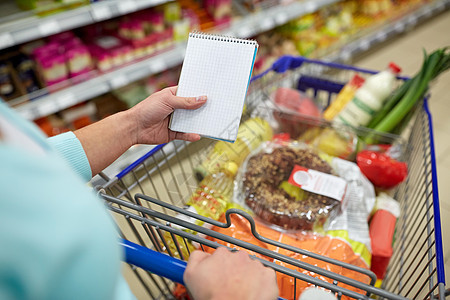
x: 369, y: 98
x: 214, y: 192
x: 382, y: 229
x: 295, y: 111
x: 296, y: 101
x: 345, y: 96
x: 251, y: 134
x: 263, y: 180
x: 380, y: 167
x: 351, y: 224
x: 334, y: 140
x: 324, y: 245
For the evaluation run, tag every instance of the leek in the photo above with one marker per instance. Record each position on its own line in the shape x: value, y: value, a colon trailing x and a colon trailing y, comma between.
x: 407, y: 95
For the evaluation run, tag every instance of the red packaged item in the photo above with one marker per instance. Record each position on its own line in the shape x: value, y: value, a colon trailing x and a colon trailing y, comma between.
x: 296, y: 112
x: 296, y: 101
x: 381, y: 229
x: 381, y: 169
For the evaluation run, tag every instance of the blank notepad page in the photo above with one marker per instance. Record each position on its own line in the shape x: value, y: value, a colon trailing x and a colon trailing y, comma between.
x: 220, y: 68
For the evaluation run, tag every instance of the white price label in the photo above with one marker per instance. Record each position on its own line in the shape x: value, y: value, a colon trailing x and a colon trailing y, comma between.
x: 157, y: 66
x: 101, y: 12
x: 441, y: 6
x: 281, y: 18
x: 157, y: 2
x: 319, y: 183
x: 428, y: 12
x: 6, y: 40
x: 34, y: 112
x: 49, y: 27
x: 47, y: 108
x: 364, y: 45
x: 412, y: 20
x: 27, y: 114
x: 245, y: 32
x: 311, y: 7
x: 267, y: 24
x: 180, y: 53
x: 127, y: 6
x: 228, y: 33
x: 118, y: 81
x: 381, y: 36
x: 400, y: 27
x: 67, y: 100
x: 346, y: 55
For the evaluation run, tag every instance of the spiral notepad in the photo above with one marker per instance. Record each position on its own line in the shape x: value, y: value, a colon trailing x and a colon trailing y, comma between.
x: 220, y: 68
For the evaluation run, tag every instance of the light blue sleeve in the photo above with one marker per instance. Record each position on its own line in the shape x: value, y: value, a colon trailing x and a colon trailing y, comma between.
x: 68, y: 145
x: 57, y: 239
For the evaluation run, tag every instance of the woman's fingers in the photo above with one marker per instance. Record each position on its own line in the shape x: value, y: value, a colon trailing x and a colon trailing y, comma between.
x: 195, y: 258
x: 190, y: 137
x: 184, y: 102
x: 187, y: 102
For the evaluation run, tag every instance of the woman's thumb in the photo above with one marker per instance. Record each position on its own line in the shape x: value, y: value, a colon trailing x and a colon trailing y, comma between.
x: 187, y: 102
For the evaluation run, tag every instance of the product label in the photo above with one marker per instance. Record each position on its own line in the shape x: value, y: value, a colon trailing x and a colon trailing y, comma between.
x: 356, y: 113
x: 108, y: 42
x: 362, y: 106
x: 319, y: 183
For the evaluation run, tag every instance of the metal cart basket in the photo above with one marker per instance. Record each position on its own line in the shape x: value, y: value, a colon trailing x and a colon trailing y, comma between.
x: 148, y: 197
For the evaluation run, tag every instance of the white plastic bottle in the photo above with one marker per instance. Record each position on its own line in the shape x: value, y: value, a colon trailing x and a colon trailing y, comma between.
x: 369, y: 98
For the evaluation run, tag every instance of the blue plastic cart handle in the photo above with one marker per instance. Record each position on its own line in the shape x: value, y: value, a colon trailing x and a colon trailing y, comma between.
x: 155, y: 262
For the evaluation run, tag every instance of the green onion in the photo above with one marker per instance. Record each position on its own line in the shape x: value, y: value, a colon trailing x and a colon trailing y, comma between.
x: 390, y: 103
x: 404, y: 98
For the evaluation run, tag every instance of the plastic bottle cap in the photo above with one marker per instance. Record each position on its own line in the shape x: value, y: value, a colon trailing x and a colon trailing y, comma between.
x: 396, y: 69
x: 231, y: 168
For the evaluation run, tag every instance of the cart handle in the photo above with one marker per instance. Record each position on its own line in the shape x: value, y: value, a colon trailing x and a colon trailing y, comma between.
x: 155, y: 262
x: 288, y: 62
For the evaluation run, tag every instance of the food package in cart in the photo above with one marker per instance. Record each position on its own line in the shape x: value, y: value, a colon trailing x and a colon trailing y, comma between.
x: 351, y: 224
x: 328, y: 246
x: 301, y: 121
x: 293, y: 110
x: 287, y: 184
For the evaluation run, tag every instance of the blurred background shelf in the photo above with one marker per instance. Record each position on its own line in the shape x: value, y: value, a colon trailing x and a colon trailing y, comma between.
x: 387, y: 30
x: 17, y: 27
x: 244, y: 27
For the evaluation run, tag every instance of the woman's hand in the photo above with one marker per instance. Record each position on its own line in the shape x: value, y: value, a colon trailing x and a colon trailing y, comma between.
x: 152, y: 116
x: 228, y: 275
x: 145, y: 123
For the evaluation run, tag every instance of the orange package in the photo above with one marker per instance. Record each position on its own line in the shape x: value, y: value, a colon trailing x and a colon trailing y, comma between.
x: 323, y: 245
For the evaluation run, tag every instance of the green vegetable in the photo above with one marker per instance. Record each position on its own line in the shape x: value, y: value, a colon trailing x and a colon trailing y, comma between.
x: 404, y: 98
x: 390, y: 103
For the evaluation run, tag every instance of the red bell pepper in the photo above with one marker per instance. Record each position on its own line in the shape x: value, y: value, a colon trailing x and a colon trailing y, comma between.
x: 381, y: 169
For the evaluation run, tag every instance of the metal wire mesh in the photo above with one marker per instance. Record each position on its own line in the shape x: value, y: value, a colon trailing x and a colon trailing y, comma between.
x: 413, y: 271
x: 167, y: 174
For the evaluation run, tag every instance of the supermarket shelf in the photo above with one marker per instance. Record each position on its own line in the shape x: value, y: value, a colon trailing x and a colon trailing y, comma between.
x: 33, y: 27
x: 387, y: 31
x: 75, y: 94
x: 268, y: 19
x: 346, y: 53
x: 244, y: 28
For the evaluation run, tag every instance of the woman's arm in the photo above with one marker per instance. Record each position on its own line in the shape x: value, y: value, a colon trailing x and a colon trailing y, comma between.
x: 145, y: 123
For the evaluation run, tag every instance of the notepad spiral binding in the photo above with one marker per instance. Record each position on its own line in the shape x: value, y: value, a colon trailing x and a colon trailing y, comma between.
x: 222, y: 38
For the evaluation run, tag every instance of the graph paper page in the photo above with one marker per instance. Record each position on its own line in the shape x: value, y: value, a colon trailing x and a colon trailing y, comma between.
x: 219, y: 69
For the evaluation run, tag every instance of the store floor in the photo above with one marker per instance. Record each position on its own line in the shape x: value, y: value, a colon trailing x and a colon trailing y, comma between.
x: 406, y: 51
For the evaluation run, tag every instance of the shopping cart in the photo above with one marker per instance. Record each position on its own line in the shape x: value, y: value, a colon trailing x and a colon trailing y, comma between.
x: 148, y: 197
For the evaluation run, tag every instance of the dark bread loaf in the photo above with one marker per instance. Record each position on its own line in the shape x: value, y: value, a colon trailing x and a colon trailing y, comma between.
x: 263, y: 176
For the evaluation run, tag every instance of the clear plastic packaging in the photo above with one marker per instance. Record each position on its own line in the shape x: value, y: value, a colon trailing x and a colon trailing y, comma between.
x: 335, y: 248
x: 264, y: 185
